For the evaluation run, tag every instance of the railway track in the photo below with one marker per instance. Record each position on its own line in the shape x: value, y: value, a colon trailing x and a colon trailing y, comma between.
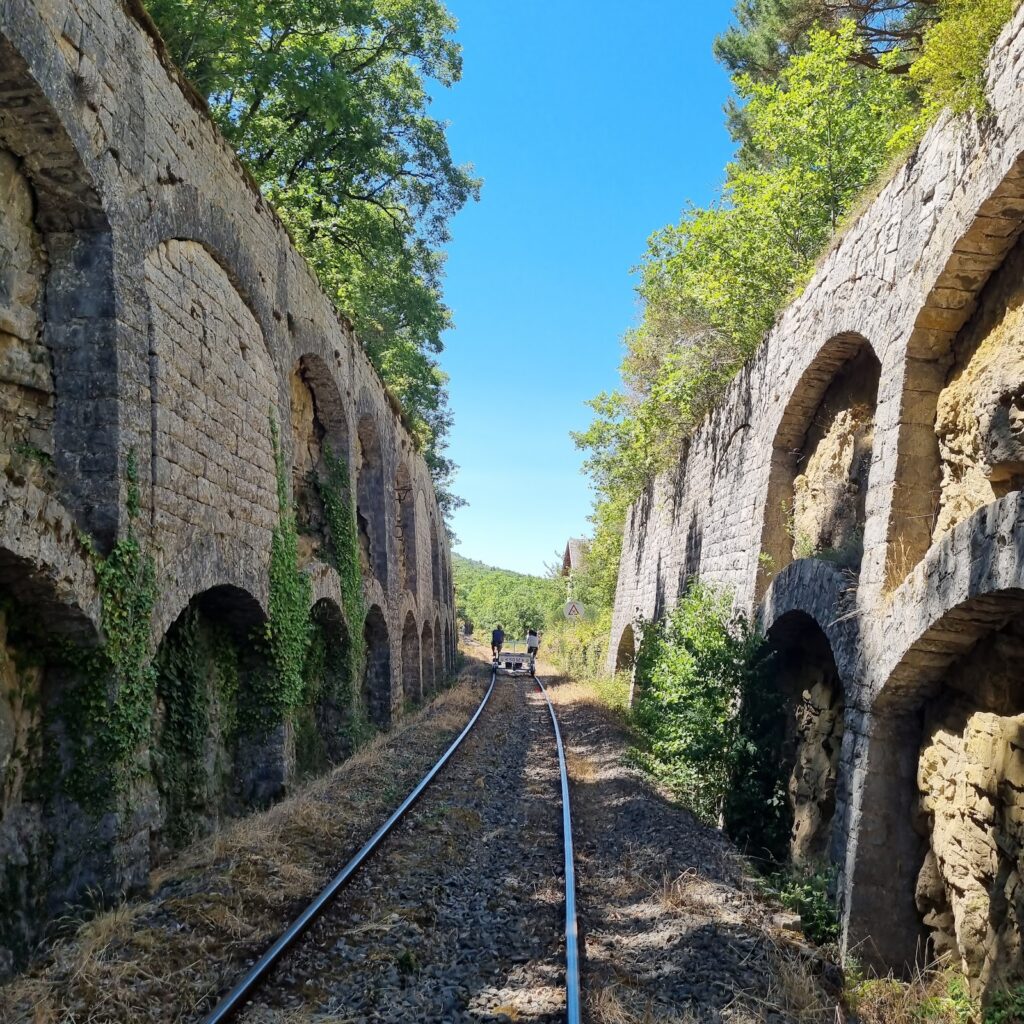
x: 257, y: 976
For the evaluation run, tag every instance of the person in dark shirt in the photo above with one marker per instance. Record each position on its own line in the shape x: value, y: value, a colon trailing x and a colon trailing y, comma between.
x: 497, y: 641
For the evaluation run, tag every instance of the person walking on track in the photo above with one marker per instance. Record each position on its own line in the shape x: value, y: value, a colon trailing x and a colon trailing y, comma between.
x: 497, y: 642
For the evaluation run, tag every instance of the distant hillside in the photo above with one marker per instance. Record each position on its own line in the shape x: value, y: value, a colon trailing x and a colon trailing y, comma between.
x: 486, y: 596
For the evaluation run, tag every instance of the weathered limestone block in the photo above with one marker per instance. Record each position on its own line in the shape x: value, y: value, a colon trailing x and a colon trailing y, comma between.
x: 812, y: 784
x: 308, y: 434
x: 980, y: 417
x: 971, y: 809
x: 26, y: 373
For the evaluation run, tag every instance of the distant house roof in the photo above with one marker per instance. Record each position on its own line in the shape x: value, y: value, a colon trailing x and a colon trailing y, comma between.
x: 572, y: 560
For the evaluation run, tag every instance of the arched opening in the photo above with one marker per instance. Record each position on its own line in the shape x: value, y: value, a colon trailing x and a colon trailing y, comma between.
x: 803, y: 727
x: 208, y: 760
x: 440, y: 676
x: 449, y: 656
x: 41, y: 737
x: 427, y: 649
x: 320, y: 451
x: 821, y: 457
x: 625, y: 653
x: 405, y: 529
x: 376, y: 691
x: 322, y: 733
x: 940, y: 847
x: 412, y: 683
x: 435, y: 561
x: 370, y: 514
x: 56, y: 302
x: 961, y: 436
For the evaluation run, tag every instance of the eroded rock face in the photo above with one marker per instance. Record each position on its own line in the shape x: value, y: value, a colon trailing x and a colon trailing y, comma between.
x: 308, y: 434
x: 971, y: 784
x: 26, y: 374
x: 20, y: 684
x: 980, y: 414
x: 828, y: 496
x: 812, y: 784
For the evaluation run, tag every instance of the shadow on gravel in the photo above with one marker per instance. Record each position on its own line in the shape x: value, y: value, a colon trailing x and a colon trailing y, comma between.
x: 673, y: 933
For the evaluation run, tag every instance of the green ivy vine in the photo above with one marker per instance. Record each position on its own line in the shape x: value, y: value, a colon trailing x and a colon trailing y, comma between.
x: 113, y: 702
x: 197, y: 683
x: 343, y: 553
x: 287, y: 634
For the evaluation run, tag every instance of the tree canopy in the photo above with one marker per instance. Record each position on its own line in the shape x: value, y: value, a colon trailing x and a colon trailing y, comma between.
x: 486, y: 596
x: 327, y: 104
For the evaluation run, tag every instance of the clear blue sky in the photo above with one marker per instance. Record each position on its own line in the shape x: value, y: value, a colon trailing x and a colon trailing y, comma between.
x: 592, y: 122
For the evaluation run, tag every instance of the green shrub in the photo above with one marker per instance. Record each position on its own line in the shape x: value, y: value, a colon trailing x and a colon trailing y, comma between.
x: 693, y: 669
x: 1006, y: 1007
x: 807, y: 892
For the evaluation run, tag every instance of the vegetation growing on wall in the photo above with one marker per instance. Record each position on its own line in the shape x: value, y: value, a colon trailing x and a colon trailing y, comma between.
x: 112, y: 704
x: 826, y: 97
x: 343, y: 553
x: 197, y: 682
x: 327, y: 105
x: 272, y: 697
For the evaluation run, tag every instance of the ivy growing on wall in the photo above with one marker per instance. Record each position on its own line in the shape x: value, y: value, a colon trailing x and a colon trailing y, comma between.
x: 272, y: 697
x: 113, y: 703
x: 343, y: 552
x: 197, y: 682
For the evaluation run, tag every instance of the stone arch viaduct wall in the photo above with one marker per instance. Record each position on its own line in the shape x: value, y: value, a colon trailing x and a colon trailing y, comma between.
x: 154, y: 312
x: 863, y: 480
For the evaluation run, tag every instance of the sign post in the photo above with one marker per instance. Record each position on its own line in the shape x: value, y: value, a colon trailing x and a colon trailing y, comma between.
x: 574, y: 611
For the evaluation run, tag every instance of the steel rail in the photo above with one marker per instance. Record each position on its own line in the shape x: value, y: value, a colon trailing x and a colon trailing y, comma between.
x: 233, y: 1000
x: 572, y: 952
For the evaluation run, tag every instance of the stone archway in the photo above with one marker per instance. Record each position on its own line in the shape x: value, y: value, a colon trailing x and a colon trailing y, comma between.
x: 821, y: 457
x: 42, y: 734
x: 961, y: 429
x: 810, y: 730
x: 370, y: 500
x: 405, y: 529
x: 376, y: 690
x: 440, y: 676
x: 205, y: 765
x: 412, y: 681
x: 625, y: 653
x: 63, y: 235
x: 320, y: 450
x: 937, y: 844
x: 427, y: 656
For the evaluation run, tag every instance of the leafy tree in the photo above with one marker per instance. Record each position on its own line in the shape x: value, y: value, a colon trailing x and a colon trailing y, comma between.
x: 486, y: 596
x: 767, y: 33
x: 326, y: 103
x: 712, y: 284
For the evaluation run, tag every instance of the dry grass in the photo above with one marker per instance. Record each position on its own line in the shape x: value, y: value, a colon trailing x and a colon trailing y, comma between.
x: 613, y: 1005
x: 220, y: 900
x: 928, y: 996
x: 795, y: 992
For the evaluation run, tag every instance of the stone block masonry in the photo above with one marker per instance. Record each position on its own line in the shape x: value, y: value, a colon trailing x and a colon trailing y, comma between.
x: 155, y: 320
x: 861, y: 484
